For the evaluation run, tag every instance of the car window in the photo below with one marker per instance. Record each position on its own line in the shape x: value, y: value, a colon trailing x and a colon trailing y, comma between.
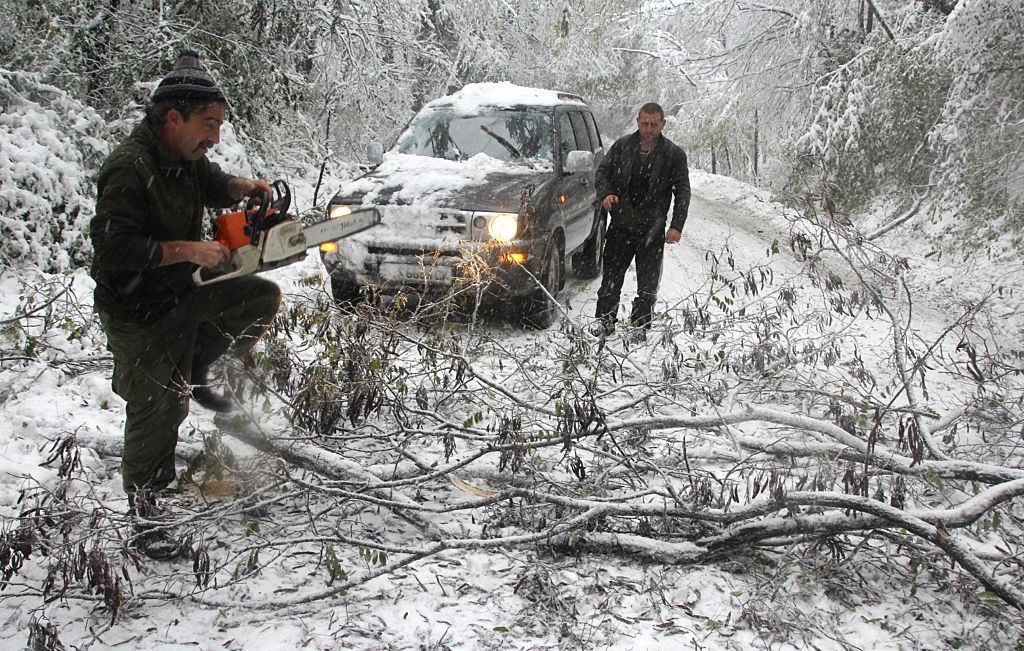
x: 579, y: 127
x: 595, y: 135
x: 566, y: 136
x: 506, y: 134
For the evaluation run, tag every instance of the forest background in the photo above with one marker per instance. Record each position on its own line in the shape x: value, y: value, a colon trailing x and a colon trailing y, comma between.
x: 843, y: 103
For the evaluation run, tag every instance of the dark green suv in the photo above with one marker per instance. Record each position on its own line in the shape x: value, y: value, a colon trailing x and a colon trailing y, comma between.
x: 493, y: 184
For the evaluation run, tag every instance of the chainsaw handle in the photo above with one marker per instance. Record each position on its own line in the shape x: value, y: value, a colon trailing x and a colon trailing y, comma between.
x: 257, y: 213
x: 284, y: 196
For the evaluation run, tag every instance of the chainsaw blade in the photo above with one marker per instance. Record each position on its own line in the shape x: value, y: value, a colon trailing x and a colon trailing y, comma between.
x: 288, y: 239
x: 286, y: 243
x: 340, y: 227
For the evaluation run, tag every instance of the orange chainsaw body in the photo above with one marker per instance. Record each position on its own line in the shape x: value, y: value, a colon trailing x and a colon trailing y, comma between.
x: 234, y: 229
x: 263, y: 236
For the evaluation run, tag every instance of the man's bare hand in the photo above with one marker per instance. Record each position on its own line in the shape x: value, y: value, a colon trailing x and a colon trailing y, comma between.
x: 210, y: 254
x: 204, y: 254
x: 672, y: 236
x: 239, y: 188
x: 610, y: 201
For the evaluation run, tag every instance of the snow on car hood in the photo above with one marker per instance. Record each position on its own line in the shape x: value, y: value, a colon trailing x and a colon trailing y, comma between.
x: 418, y: 197
x: 424, y: 181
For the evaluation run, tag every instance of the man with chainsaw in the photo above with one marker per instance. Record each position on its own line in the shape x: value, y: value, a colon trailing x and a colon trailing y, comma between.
x: 163, y: 330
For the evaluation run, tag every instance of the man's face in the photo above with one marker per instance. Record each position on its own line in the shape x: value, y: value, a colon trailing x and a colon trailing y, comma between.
x: 190, y: 139
x: 650, y: 126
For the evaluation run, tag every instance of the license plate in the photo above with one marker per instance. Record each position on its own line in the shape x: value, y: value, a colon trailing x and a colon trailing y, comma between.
x: 413, y: 273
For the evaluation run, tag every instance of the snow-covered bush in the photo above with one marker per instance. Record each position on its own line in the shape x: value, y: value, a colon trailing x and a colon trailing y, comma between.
x: 979, y: 137
x: 872, y: 115
x: 52, y: 145
x: 874, y: 98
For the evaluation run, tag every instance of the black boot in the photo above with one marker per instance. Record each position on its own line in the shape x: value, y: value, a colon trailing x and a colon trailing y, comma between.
x: 603, y: 327
x: 150, y: 537
x: 204, y: 394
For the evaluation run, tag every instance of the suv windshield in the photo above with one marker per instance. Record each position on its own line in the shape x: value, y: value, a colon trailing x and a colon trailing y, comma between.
x: 516, y: 136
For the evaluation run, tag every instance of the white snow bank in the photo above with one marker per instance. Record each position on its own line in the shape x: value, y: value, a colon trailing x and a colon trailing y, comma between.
x: 725, y: 189
x: 52, y: 144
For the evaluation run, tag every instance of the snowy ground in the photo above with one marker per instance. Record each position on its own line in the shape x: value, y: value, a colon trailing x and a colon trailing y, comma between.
x: 488, y: 598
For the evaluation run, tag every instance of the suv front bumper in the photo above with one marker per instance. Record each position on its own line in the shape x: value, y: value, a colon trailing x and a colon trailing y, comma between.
x: 506, y: 269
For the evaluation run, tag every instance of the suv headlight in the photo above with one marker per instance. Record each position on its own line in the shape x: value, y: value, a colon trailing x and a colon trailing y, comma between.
x: 339, y: 210
x: 502, y: 226
x: 336, y: 211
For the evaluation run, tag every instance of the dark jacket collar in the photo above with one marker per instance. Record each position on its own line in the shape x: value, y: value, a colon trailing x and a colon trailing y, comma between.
x: 145, y: 134
x: 634, y: 142
x: 657, y: 158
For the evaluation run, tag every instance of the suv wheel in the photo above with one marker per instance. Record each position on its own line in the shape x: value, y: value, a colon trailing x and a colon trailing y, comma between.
x: 539, y: 308
x: 589, y: 261
x: 346, y: 294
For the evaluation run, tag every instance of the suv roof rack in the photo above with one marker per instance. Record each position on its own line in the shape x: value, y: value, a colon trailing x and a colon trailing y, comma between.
x: 570, y: 96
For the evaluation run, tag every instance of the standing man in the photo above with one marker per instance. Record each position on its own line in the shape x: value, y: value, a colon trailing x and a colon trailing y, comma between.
x: 163, y: 331
x: 642, y: 173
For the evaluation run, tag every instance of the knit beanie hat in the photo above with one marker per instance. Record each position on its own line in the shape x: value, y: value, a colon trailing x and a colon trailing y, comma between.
x: 189, y: 80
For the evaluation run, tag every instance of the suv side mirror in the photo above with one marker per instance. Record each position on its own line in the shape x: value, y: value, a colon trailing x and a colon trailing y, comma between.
x: 579, y: 161
x: 374, y: 152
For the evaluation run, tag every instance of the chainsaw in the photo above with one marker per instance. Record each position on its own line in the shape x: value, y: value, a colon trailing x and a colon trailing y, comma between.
x: 263, y: 236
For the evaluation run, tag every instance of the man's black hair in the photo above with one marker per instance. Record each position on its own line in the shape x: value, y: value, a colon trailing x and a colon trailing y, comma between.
x: 156, y: 113
x: 651, y: 108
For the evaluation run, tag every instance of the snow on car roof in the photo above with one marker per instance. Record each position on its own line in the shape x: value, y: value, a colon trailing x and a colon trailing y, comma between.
x: 502, y: 93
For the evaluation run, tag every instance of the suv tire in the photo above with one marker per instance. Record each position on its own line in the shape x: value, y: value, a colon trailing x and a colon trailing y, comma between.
x: 539, y: 309
x: 588, y: 262
x: 345, y: 294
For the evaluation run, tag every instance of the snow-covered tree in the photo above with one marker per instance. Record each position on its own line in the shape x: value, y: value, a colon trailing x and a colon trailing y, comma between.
x: 978, y: 140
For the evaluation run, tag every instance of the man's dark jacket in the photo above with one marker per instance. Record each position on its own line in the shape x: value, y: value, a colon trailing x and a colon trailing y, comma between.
x: 145, y: 197
x: 668, y: 178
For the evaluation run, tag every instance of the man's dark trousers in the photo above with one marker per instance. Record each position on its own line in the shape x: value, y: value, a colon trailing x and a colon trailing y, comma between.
x: 153, y: 365
x: 623, y: 246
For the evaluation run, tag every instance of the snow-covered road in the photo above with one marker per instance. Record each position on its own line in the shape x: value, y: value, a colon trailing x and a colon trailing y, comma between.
x: 472, y: 597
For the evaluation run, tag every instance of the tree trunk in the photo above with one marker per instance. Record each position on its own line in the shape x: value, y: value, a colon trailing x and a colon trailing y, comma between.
x: 756, y: 148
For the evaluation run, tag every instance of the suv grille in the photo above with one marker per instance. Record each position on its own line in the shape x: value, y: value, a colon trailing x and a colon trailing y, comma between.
x: 443, y: 228
x: 455, y: 221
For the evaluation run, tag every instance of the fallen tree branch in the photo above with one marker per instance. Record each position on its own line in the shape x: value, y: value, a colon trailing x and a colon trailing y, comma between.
x: 902, y: 219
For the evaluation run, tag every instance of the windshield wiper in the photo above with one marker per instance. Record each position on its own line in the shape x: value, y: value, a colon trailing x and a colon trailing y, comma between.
x: 507, y: 145
x: 458, y: 150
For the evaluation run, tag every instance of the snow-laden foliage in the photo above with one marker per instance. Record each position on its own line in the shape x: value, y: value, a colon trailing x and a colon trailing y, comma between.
x: 312, y: 77
x: 871, y: 118
x: 979, y: 136
x: 52, y: 144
